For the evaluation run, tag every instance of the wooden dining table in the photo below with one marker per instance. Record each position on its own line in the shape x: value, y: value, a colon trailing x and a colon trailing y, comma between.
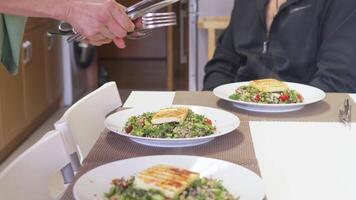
x: 236, y: 147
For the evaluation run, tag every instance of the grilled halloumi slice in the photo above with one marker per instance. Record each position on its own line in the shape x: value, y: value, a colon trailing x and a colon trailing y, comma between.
x: 170, y: 115
x: 170, y: 181
x: 269, y: 85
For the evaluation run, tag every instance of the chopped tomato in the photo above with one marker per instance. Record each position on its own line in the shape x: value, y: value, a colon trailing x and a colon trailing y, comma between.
x: 208, y: 121
x: 257, y: 98
x: 128, y: 129
x: 299, y: 97
x: 284, y: 97
x: 121, y: 183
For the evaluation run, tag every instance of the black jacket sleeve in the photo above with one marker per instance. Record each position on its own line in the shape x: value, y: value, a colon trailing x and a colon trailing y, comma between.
x: 336, y: 62
x: 225, y: 63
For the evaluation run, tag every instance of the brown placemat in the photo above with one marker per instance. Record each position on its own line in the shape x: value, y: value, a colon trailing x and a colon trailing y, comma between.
x: 324, y: 111
x: 235, y: 147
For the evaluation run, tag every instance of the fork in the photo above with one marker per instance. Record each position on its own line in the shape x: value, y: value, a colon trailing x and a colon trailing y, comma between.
x: 345, y: 112
x: 149, y: 21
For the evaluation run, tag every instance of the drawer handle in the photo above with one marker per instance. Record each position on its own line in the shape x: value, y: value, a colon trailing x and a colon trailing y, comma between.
x: 27, y: 52
x: 50, y: 41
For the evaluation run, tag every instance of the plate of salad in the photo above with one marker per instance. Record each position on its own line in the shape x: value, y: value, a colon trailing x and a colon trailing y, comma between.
x: 169, y: 177
x: 176, y: 126
x: 269, y: 95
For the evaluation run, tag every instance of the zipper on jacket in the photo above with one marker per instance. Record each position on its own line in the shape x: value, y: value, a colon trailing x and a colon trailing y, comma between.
x: 265, y: 46
x: 266, y: 42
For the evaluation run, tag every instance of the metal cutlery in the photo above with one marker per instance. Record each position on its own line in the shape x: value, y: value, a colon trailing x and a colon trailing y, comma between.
x: 142, y: 9
x: 151, y: 21
x: 345, y: 112
x: 147, y: 6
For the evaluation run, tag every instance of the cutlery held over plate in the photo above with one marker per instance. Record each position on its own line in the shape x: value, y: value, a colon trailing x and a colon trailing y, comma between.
x: 144, y: 9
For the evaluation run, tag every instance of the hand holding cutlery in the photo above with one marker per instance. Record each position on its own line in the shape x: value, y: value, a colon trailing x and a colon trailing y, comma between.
x: 142, y: 9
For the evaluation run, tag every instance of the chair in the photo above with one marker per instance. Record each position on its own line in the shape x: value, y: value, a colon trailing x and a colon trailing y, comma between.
x: 27, y: 177
x: 83, y: 122
x: 212, y: 24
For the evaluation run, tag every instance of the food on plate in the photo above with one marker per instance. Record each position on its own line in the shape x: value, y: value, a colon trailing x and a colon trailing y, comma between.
x: 170, y: 115
x: 267, y: 91
x: 170, y: 123
x: 163, y: 182
x: 269, y: 85
x: 167, y: 180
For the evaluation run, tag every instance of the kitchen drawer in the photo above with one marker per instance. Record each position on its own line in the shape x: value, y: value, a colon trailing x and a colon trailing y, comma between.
x: 137, y: 75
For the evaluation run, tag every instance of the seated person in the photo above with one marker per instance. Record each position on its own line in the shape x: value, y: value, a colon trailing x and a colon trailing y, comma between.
x: 306, y: 41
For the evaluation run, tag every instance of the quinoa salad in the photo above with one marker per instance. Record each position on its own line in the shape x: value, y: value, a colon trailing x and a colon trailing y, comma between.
x: 252, y: 94
x: 201, y: 189
x: 194, y: 125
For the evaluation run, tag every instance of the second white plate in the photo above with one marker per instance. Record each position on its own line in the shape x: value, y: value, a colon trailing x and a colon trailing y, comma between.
x: 225, y: 123
x: 238, y: 180
x: 310, y: 94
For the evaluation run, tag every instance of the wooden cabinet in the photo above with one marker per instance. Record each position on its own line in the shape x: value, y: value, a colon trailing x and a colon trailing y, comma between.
x: 1, y: 131
x: 34, y: 74
x: 13, y: 118
x: 28, y: 98
x: 142, y: 65
x: 53, y: 65
x: 138, y: 74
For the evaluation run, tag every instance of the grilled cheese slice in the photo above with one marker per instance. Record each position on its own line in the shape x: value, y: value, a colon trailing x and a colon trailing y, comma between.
x: 170, y: 181
x: 170, y: 115
x: 269, y: 85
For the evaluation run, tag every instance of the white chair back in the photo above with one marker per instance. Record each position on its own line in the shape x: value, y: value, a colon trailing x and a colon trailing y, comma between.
x: 27, y: 177
x: 83, y: 122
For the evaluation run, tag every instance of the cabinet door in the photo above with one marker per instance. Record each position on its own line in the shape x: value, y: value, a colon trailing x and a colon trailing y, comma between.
x: 138, y: 75
x: 34, y: 74
x: 53, y: 62
x: 12, y: 118
x: 1, y: 126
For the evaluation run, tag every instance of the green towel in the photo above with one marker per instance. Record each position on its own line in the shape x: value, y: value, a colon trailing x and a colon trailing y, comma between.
x: 12, y: 29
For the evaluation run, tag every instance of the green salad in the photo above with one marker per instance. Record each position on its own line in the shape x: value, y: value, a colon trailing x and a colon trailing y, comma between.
x: 194, y: 125
x: 252, y: 94
x: 201, y: 189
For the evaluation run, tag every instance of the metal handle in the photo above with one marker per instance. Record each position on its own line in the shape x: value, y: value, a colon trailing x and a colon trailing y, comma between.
x: 182, y: 15
x: 27, y: 52
x: 50, y: 41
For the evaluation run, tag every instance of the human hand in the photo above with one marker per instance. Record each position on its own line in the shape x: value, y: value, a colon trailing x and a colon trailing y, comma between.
x: 100, y: 21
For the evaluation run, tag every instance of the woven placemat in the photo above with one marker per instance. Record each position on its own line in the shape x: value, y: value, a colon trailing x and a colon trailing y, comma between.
x: 235, y: 147
x: 323, y: 111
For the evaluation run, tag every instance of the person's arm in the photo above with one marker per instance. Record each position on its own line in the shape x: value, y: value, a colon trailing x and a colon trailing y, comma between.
x: 225, y: 63
x: 336, y: 67
x: 39, y: 8
x: 101, y: 21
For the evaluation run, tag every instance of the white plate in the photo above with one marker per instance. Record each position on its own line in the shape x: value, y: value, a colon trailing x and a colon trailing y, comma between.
x: 238, y: 180
x: 224, y: 122
x: 310, y: 94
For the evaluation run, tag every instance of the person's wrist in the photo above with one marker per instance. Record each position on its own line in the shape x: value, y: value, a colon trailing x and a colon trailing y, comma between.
x: 62, y: 11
